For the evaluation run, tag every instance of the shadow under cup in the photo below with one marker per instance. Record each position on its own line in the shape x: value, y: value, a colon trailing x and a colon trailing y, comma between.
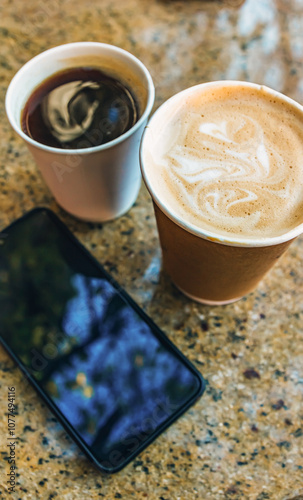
x: 209, y: 268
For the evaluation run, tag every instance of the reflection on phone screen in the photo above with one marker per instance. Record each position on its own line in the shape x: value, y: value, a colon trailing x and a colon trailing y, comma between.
x: 114, y: 380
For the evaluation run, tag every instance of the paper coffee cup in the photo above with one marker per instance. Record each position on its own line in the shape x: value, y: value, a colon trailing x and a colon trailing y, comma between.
x: 97, y: 183
x: 207, y: 266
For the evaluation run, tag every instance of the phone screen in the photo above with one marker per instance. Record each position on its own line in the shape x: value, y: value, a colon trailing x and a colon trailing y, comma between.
x: 111, y: 376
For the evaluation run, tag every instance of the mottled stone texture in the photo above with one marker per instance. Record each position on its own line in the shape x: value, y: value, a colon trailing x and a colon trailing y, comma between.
x: 244, y: 438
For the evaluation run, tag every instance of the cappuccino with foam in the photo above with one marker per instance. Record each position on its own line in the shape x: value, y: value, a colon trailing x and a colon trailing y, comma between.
x: 230, y: 161
x: 223, y: 162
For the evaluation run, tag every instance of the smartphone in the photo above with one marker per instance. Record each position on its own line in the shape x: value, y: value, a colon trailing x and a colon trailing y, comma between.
x: 108, y: 373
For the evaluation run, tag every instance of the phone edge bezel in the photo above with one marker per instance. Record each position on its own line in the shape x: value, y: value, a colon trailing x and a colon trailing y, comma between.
x: 154, y: 327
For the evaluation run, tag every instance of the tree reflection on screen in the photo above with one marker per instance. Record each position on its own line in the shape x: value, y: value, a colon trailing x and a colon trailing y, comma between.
x: 109, y: 375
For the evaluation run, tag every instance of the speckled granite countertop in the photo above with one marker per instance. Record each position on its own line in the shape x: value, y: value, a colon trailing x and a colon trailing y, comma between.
x: 244, y: 438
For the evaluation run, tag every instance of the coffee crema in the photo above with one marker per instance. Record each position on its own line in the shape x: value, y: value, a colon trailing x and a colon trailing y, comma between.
x: 229, y: 161
x: 79, y: 108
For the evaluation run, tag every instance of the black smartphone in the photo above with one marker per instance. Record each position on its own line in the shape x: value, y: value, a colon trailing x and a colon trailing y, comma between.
x: 109, y: 374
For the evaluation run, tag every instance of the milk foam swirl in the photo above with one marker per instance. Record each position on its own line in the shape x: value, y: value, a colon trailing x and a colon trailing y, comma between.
x: 236, y: 171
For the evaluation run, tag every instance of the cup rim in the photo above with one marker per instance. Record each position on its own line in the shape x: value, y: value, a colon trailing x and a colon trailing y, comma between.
x: 192, y: 228
x: 82, y: 151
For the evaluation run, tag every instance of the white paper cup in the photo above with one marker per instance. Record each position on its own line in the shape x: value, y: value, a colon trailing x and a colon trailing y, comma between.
x: 97, y: 183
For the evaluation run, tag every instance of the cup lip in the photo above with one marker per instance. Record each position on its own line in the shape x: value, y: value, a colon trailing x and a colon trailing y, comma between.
x: 192, y: 228
x: 83, y: 151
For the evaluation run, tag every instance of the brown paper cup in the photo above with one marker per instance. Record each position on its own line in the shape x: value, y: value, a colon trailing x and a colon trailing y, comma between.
x: 207, y: 271
x: 207, y: 267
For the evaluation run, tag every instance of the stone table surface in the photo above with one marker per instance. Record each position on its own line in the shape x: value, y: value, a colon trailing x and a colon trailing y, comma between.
x: 244, y: 438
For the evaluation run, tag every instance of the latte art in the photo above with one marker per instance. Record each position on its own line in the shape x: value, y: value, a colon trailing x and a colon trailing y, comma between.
x: 233, y: 164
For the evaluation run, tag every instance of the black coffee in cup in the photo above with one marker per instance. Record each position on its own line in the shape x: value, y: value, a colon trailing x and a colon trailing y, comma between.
x: 79, y: 108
